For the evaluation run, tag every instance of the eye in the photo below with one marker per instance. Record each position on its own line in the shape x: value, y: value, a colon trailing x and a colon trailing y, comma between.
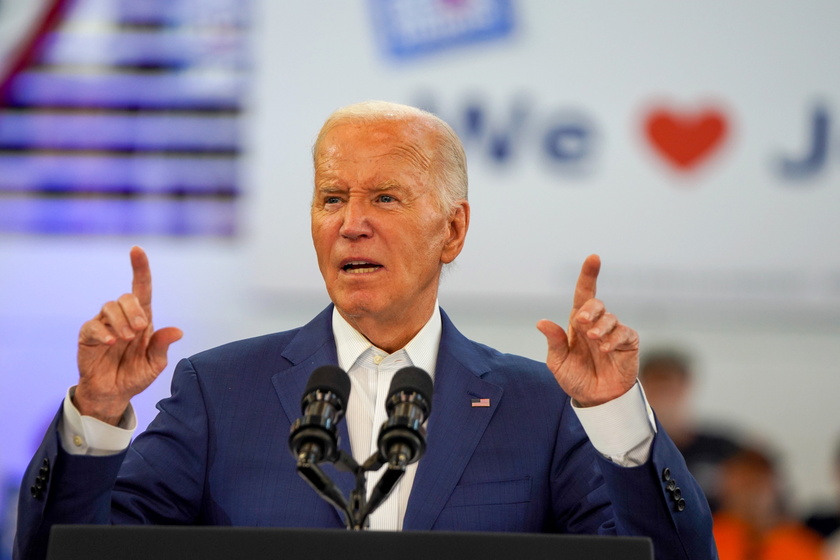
x: 386, y: 198
x: 331, y: 200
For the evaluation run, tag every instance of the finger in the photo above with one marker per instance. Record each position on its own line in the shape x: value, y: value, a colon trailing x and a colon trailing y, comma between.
x: 113, y: 317
x: 555, y: 336
x: 94, y: 333
x: 133, y: 311
x: 141, y: 282
x: 603, y: 327
x: 159, y: 346
x: 589, y: 313
x: 620, y: 339
x: 587, y: 280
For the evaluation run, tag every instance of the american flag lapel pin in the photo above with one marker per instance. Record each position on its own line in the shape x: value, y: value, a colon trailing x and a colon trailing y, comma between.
x: 478, y: 403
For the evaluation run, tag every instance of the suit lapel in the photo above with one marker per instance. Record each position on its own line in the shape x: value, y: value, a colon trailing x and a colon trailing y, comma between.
x: 312, y: 347
x: 455, y: 426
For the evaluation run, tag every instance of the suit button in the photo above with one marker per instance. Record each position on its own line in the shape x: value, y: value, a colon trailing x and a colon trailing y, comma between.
x: 677, y: 493
x: 46, y: 462
x: 37, y: 489
x: 666, y: 474
x: 681, y: 504
x: 672, y: 485
x: 45, y: 471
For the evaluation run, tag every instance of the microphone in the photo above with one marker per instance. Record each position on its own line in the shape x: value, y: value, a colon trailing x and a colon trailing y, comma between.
x: 313, y: 437
x: 402, y: 438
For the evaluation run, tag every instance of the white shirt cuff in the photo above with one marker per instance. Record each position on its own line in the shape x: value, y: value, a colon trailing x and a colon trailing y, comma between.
x: 85, y: 435
x: 622, y: 429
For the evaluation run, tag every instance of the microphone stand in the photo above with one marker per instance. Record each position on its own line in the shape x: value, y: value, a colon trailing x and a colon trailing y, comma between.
x: 357, y: 511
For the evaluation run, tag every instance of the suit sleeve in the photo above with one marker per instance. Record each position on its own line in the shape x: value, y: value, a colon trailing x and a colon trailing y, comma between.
x: 661, y: 499
x: 159, y: 479
x: 658, y: 499
x: 61, y: 488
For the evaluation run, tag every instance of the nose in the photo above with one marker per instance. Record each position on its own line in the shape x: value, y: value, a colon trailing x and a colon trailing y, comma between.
x: 356, y: 220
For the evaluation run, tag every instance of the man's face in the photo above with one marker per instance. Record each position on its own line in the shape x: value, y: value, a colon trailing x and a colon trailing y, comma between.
x: 379, y: 232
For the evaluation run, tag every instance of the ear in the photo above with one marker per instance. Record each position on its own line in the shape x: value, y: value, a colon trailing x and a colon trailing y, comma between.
x: 459, y: 223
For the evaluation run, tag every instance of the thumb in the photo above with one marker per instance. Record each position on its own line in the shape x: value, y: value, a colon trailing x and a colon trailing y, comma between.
x: 159, y: 346
x: 558, y: 342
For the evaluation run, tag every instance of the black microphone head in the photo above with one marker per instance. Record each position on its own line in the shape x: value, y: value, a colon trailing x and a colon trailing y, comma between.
x: 413, y: 380
x: 329, y: 378
x: 323, y: 403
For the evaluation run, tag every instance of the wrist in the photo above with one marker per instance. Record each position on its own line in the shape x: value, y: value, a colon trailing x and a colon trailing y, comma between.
x: 598, y: 400
x: 105, y: 409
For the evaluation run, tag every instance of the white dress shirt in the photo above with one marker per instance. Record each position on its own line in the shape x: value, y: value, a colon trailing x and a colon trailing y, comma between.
x: 621, y: 430
x: 371, y: 371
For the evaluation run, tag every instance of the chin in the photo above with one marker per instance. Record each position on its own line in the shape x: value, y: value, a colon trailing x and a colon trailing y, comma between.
x: 357, y: 305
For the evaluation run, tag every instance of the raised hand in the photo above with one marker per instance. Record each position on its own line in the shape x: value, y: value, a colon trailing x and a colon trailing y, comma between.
x: 120, y: 353
x: 597, y: 358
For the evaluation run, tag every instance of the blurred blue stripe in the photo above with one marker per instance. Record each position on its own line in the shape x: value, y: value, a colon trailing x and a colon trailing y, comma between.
x: 118, y: 217
x: 148, y: 48
x: 139, y: 172
x: 167, y: 12
x: 189, y: 89
x: 118, y: 131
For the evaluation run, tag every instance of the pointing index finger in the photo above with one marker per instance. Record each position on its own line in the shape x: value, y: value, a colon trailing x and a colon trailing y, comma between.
x: 587, y: 281
x: 141, y: 282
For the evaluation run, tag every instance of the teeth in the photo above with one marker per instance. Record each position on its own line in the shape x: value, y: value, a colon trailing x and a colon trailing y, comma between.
x: 359, y: 267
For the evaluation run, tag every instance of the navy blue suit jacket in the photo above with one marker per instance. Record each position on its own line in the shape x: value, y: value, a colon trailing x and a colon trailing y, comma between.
x: 217, y: 454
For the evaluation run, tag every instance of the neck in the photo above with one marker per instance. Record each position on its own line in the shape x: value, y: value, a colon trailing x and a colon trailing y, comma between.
x: 389, y: 335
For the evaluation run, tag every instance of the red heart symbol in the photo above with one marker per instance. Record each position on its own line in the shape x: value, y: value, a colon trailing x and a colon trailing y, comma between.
x: 22, y: 28
x: 686, y: 139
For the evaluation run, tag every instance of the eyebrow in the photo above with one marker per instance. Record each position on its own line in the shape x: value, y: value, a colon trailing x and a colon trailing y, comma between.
x: 329, y: 189
x: 388, y: 185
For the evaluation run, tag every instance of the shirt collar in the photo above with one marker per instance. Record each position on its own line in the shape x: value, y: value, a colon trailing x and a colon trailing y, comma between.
x: 422, y: 350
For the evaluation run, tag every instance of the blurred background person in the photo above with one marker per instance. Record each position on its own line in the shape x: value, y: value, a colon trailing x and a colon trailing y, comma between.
x: 753, y: 521
x: 668, y: 380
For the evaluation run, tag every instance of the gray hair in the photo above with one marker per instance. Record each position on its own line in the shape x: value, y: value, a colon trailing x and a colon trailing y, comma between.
x: 449, y: 163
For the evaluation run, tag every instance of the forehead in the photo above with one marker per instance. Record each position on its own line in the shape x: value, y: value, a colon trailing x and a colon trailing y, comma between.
x: 401, y: 143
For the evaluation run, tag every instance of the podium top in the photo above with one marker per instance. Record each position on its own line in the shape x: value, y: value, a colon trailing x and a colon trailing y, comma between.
x: 94, y: 542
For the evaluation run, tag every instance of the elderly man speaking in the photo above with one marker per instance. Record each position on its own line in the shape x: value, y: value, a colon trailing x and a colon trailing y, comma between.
x: 567, y: 446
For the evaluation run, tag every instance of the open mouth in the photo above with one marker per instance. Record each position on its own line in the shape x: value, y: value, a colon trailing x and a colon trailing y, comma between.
x: 360, y: 267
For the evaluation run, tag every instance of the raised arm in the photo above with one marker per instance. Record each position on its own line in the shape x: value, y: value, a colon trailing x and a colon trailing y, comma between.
x: 120, y: 353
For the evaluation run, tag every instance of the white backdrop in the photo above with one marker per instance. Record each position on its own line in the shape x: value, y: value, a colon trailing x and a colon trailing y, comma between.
x: 733, y: 227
